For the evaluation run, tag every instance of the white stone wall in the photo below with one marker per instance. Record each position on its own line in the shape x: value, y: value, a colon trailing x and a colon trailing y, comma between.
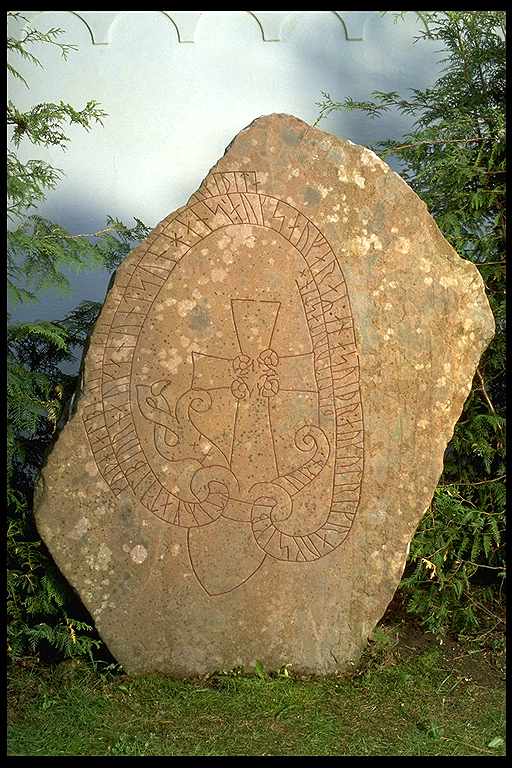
x: 178, y: 86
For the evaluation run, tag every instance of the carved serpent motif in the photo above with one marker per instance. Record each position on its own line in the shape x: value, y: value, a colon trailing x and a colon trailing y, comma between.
x: 110, y: 417
x: 211, y: 487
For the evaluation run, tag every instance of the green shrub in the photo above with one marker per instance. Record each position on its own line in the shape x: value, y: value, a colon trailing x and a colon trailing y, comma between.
x: 44, y: 615
x: 454, y: 158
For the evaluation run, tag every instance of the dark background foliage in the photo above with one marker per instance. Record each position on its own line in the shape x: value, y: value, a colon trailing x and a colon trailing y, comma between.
x: 454, y: 158
x: 44, y: 614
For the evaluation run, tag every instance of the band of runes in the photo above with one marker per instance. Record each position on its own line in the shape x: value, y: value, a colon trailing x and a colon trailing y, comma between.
x: 223, y: 200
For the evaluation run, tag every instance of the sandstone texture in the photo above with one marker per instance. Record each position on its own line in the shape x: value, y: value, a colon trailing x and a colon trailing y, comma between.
x: 266, y: 400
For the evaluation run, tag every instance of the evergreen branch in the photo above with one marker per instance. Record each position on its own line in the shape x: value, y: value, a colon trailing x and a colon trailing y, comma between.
x: 481, y: 565
x: 139, y: 231
x: 484, y: 391
x: 100, y: 232
x: 438, y: 141
x: 27, y: 183
x: 18, y: 45
x: 16, y: 74
x: 490, y: 263
x: 43, y: 124
x: 479, y: 482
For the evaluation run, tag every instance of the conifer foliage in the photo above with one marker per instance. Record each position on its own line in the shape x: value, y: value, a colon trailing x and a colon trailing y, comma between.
x: 454, y: 158
x: 43, y: 613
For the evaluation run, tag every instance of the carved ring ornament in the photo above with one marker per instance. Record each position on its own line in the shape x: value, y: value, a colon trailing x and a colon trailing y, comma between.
x: 212, y: 484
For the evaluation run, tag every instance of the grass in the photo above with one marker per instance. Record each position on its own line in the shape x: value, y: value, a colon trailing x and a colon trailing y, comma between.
x: 422, y: 700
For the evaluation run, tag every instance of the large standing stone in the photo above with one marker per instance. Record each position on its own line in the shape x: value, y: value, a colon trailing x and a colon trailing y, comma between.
x: 267, y: 397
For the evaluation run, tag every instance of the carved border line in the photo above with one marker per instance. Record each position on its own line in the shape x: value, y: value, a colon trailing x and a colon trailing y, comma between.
x: 107, y: 416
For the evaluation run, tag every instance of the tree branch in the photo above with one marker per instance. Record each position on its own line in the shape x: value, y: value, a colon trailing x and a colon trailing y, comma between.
x: 488, y: 263
x: 490, y: 567
x: 480, y: 482
x: 440, y: 141
x: 96, y: 234
x: 484, y: 391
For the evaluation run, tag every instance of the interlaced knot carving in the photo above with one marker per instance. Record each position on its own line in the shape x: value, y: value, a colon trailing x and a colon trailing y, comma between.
x: 194, y: 479
x: 255, y: 374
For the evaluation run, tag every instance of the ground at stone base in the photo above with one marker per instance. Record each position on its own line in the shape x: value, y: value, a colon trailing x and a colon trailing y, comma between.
x: 410, y: 695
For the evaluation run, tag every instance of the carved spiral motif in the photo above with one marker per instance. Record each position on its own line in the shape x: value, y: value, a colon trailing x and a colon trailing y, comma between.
x: 268, y: 386
x: 239, y: 389
x: 273, y: 506
x: 203, y: 487
x: 242, y: 364
x: 269, y: 357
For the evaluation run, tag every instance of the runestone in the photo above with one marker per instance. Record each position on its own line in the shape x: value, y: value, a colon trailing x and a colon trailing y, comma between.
x: 265, y: 402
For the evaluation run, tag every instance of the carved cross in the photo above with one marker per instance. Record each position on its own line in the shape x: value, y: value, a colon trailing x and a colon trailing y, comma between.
x: 253, y: 377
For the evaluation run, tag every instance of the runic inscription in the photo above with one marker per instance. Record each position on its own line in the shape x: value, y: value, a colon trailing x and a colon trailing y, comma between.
x: 235, y: 506
x: 241, y: 480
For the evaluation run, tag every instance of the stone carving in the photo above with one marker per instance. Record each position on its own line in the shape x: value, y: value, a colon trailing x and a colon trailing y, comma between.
x: 228, y: 483
x: 267, y: 396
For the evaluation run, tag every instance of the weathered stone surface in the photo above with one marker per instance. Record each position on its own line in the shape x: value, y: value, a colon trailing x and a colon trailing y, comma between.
x: 267, y: 397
